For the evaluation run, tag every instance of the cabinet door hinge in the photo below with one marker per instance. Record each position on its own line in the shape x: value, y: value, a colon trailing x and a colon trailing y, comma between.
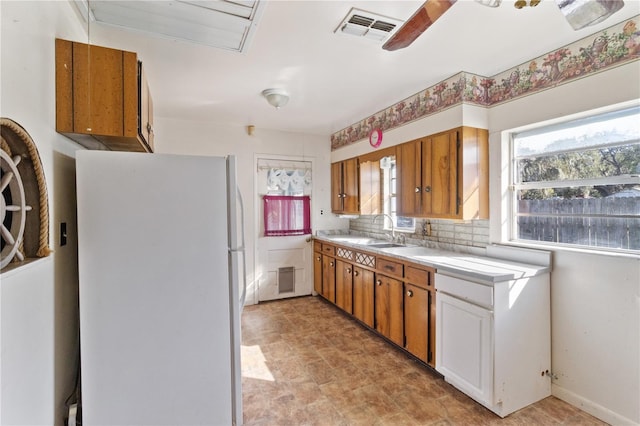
x: 430, y: 356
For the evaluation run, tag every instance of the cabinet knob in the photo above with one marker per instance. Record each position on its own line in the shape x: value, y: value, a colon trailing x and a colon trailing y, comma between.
x: 348, y: 270
x: 318, y: 258
x: 330, y: 263
x: 427, y: 189
x: 356, y: 273
x: 379, y: 282
x: 410, y: 293
x: 417, y: 189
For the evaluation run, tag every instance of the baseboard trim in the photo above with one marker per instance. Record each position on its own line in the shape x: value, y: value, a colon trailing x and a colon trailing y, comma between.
x: 590, y: 407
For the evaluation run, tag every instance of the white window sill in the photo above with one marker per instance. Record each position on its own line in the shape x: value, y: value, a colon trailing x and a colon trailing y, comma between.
x: 556, y: 247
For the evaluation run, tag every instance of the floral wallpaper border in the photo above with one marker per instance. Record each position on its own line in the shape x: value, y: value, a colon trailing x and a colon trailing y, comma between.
x: 614, y: 46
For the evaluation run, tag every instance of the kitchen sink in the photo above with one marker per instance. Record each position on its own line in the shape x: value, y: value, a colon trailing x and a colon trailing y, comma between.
x: 384, y: 245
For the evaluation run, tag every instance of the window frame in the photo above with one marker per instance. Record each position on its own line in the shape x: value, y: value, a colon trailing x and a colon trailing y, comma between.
x: 388, y: 194
x: 513, y: 184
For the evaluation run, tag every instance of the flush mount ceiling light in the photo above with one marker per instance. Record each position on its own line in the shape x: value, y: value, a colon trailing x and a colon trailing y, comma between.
x: 276, y: 97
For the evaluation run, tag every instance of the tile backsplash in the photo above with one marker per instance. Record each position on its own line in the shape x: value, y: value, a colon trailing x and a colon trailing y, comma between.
x: 444, y: 234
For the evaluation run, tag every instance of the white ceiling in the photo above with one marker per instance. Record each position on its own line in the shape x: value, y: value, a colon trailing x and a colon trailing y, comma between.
x: 336, y: 80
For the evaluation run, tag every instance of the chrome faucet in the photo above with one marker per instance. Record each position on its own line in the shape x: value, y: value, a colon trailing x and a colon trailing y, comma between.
x: 393, y: 232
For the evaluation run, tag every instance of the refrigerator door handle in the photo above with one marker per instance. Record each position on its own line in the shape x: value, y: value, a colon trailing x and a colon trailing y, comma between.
x: 241, y: 249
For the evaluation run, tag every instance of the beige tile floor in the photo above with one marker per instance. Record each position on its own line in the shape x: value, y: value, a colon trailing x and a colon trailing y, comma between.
x: 304, y: 362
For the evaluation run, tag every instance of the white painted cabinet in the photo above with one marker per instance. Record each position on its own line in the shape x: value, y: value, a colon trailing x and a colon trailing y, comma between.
x: 493, y: 339
x: 465, y: 347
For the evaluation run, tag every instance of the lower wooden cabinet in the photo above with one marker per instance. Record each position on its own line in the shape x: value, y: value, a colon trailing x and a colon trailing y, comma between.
x: 317, y: 272
x: 416, y: 320
x: 344, y: 286
x: 389, y: 311
x: 363, y: 295
x: 329, y: 278
x: 419, y: 312
x: 394, y: 298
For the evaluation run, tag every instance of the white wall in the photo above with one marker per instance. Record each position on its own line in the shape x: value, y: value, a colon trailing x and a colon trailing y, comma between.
x: 200, y: 138
x: 38, y: 311
x: 595, y: 298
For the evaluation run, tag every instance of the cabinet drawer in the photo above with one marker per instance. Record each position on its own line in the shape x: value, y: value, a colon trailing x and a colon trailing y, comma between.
x: 475, y: 293
x: 417, y: 276
x: 389, y: 267
x: 326, y: 249
x: 317, y: 246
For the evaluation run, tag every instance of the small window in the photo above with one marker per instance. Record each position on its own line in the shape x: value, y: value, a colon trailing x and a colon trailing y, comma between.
x: 389, y: 181
x: 578, y: 183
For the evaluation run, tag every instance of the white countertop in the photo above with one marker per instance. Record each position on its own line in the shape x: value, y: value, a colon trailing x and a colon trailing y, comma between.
x: 481, y: 268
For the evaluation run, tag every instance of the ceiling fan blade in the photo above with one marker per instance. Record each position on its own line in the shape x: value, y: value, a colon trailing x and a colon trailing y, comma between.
x: 418, y: 23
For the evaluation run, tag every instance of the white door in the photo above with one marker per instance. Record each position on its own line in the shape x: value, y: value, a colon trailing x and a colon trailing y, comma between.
x: 284, y: 266
x: 464, y: 346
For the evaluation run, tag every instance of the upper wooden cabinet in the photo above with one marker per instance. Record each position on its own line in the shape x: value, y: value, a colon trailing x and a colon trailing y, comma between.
x: 102, y: 98
x: 370, y: 197
x: 344, y: 187
x: 445, y: 175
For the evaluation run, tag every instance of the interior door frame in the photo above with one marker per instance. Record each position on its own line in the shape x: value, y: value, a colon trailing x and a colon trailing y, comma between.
x: 257, y: 272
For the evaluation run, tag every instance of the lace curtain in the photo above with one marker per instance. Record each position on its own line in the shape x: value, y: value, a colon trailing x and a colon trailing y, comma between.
x: 288, y: 181
x: 286, y: 215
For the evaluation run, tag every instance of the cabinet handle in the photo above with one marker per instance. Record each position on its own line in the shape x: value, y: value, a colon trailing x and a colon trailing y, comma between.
x: 356, y: 273
x: 427, y: 189
x: 410, y: 293
x: 379, y: 282
x: 348, y: 270
x: 330, y: 263
x: 417, y: 189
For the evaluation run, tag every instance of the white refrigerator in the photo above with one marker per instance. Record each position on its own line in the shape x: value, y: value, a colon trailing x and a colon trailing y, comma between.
x: 161, y: 263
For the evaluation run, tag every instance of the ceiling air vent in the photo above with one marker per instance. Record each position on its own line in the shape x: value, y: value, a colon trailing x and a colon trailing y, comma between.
x: 368, y: 25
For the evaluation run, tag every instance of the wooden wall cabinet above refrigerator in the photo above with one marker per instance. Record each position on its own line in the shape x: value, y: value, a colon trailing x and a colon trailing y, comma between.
x: 445, y: 175
x: 102, y: 98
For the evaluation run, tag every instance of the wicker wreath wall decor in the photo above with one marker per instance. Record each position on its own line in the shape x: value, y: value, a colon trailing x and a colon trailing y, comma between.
x: 24, y: 208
